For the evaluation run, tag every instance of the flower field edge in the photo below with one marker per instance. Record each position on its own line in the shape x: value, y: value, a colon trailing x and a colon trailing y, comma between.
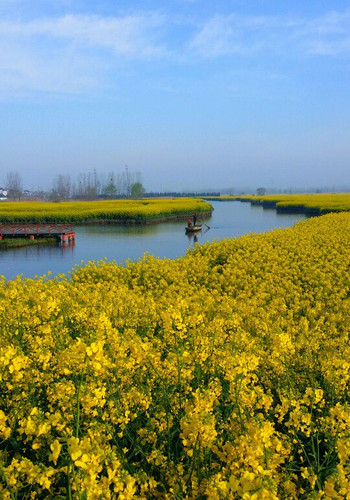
x: 222, y: 374
x: 313, y: 204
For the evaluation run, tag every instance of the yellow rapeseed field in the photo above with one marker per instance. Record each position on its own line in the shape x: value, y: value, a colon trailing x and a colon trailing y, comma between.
x: 105, y: 210
x: 221, y: 375
x: 315, y: 204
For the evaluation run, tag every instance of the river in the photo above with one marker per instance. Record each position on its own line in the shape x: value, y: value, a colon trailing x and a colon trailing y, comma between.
x: 119, y: 243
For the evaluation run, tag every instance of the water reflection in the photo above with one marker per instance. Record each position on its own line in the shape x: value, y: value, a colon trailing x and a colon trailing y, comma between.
x: 195, y: 236
x: 67, y: 244
x: 113, y: 229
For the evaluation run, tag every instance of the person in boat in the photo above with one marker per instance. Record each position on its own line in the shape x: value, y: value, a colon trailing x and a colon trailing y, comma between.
x: 189, y: 223
x: 194, y: 218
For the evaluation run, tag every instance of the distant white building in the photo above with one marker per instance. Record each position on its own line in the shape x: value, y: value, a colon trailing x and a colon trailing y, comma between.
x: 3, y: 194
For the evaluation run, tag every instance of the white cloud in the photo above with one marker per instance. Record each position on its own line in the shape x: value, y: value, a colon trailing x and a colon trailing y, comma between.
x: 72, y: 53
x: 24, y: 70
x: 132, y: 36
x: 329, y: 24
x: 75, y: 53
x: 244, y: 35
x: 223, y: 35
x: 328, y: 35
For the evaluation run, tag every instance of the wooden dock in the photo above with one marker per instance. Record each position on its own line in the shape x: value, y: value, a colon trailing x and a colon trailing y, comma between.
x: 62, y: 232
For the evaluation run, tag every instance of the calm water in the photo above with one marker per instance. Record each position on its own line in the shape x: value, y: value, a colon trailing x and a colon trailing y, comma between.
x: 120, y: 243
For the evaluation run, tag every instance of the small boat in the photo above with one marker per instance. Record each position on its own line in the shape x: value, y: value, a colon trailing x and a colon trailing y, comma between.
x: 193, y: 229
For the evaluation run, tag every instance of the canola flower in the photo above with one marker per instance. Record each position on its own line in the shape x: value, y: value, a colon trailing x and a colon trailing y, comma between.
x: 222, y: 375
x: 103, y: 210
x: 313, y: 204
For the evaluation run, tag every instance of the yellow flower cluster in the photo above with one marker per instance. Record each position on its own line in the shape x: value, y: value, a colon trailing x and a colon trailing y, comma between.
x: 315, y: 204
x: 223, y: 375
x: 105, y: 210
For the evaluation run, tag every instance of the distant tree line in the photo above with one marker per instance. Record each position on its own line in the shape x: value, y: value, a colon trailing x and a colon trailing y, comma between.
x: 124, y: 184
x: 176, y: 194
x: 85, y: 186
x: 92, y: 185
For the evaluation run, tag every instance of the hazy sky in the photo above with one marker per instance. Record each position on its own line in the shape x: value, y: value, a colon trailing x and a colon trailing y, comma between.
x: 195, y: 94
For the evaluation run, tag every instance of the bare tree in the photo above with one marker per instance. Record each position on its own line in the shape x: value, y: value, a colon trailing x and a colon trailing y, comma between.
x: 14, y: 185
x: 86, y: 187
x: 126, y: 180
x: 62, y: 186
x: 89, y: 185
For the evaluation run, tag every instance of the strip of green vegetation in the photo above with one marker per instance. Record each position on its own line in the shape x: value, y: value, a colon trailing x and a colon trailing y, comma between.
x: 26, y: 242
x: 224, y: 197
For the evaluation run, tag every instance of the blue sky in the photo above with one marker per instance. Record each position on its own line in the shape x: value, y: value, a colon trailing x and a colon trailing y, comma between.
x: 195, y: 94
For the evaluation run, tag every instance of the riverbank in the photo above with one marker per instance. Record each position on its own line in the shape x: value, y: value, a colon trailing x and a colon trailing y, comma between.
x: 157, y: 220
x: 309, y: 204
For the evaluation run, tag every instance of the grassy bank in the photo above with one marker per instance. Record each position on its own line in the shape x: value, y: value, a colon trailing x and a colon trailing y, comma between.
x: 312, y: 204
x: 107, y: 210
x: 223, y: 374
x: 25, y: 242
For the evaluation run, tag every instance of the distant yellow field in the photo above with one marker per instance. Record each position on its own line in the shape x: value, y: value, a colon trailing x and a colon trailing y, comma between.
x: 316, y: 204
x: 82, y: 211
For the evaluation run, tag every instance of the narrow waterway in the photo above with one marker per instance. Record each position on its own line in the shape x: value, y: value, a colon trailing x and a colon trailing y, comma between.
x: 119, y: 243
